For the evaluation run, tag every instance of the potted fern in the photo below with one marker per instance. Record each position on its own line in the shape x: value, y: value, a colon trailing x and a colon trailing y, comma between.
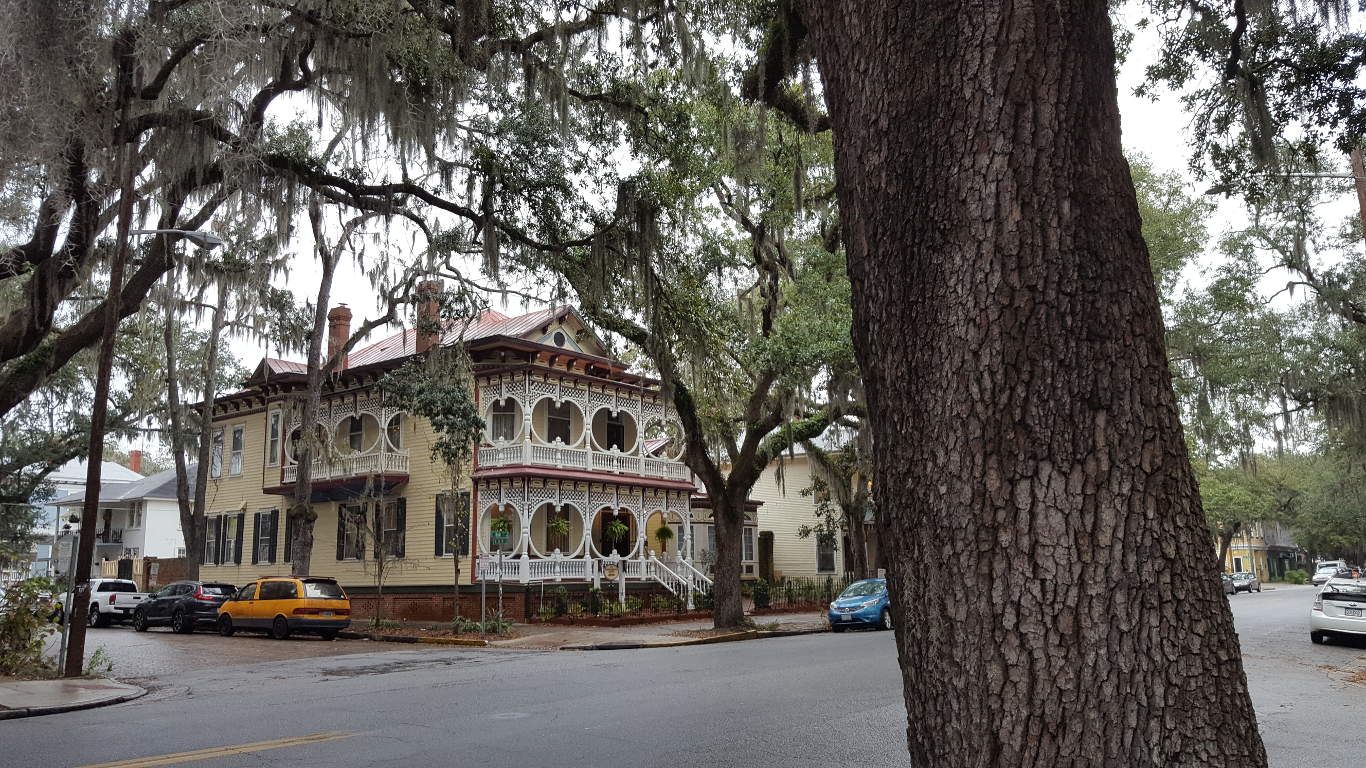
x: 616, y: 532
x: 664, y: 534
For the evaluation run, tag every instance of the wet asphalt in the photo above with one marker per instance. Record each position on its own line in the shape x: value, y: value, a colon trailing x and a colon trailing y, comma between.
x: 814, y: 700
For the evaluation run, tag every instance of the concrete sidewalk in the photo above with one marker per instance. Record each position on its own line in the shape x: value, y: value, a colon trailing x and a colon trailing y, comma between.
x: 552, y: 636
x: 45, y: 697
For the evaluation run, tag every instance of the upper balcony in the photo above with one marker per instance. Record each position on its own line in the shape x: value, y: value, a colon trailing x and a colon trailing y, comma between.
x: 357, y: 438
x: 560, y: 423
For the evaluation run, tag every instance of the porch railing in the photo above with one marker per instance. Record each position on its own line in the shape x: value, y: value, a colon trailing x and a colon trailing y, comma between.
x: 579, y: 458
x: 380, y: 462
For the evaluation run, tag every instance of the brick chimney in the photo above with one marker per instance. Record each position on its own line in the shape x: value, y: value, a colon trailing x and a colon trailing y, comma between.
x: 135, y: 461
x: 338, y: 330
x: 428, y: 315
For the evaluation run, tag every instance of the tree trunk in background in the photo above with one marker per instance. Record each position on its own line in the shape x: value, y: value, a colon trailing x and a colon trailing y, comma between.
x: 209, y: 377
x: 856, y: 559
x: 192, y: 529
x: 1054, y: 583
x: 1225, y: 542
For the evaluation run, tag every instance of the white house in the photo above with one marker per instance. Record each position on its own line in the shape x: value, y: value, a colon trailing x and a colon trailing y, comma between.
x: 138, y: 519
x: 67, y: 479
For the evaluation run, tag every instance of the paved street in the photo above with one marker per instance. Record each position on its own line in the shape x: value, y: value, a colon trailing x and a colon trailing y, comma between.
x: 812, y: 700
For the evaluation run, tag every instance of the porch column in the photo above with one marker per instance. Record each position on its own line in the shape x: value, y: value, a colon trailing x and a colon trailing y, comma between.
x: 525, y: 517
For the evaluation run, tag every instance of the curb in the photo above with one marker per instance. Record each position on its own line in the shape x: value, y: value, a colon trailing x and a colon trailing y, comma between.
x: 12, y: 714
x: 469, y: 642
x: 733, y: 637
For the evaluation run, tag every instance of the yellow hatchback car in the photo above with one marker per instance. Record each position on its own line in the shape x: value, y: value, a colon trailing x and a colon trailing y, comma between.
x: 285, y: 605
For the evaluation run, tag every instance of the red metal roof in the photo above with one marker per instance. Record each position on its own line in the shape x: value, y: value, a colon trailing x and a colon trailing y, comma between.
x: 489, y: 323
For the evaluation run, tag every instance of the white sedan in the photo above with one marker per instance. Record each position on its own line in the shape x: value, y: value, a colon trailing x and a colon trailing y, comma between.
x: 1339, y: 610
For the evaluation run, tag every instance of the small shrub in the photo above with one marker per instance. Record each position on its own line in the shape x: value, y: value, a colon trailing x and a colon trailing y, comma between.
x: 560, y: 601
x: 663, y: 604
x: 463, y: 626
x: 704, y: 600
x: 1297, y: 576
x: 100, y: 664
x: 611, y: 610
x: 575, y: 610
x: 760, y: 592
x: 633, y: 605
x: 497, y: 624
x: 378, y: 623
x: 771, y: 626
x: 25, y: 623
x: 546, y: 613
x: 594, y: 600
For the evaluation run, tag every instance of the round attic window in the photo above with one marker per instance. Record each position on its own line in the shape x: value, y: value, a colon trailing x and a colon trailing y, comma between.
x: 559, y: 338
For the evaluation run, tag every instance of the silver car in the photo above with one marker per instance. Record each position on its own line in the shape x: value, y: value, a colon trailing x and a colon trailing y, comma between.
x: 1339, y: 610
x: 1246, y: 582
x: 1323, y: 574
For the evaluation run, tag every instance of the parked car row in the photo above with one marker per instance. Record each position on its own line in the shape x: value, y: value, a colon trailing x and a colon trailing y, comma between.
x: 1241, y: 582
x: 1335, y: 569
x: 278, y: 605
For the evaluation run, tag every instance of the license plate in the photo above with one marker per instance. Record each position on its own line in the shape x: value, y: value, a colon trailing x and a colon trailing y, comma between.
x: 844, y: 617
x: 326, y: 613
x: 1351, y: 611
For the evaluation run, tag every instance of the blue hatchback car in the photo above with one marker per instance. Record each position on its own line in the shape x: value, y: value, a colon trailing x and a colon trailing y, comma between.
x: 862, y: 604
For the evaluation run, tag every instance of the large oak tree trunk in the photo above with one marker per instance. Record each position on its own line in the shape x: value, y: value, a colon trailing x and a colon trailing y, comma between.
x: 728, y: 515
x: 1052, y: 573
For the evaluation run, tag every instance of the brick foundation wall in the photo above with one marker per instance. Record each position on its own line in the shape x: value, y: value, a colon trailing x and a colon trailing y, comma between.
x: 519, y: 603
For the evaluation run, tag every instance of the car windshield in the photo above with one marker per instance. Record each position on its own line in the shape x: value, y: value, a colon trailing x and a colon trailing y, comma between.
x: 1326, y: 568
x: 116, y: 586
x: 323, y: 589
x: 863, y: 589
x: 217, y: 589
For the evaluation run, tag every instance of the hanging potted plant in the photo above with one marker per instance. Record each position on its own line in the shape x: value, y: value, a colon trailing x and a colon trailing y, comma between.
x: 556, y: 528
x: 665, y: 534
x: 500, y: 528
x: 616, y: 532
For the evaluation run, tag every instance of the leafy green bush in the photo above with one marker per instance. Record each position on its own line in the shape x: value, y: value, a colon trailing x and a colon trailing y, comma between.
x: 560, y: 601
x: 100, y: 665
x: 546, y: 613
x: 594, y: 600
x: 378, y: 623
x: 760, y: 592
x: 1297, y: 576
x: 633, y: 605
x: 663, y: 604
x: 611, y: 609
x: 462, y: 626
x: 25, y: 622
x: 575, y: 610
x: 498, y: 624
x: 704, y: 601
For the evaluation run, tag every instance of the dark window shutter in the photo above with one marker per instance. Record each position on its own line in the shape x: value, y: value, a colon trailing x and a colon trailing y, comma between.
x: 378, y: 530
x: 440, y: 525
x: 462, y: 523
x: 241, y: 531
x: 360, y: 534
x: 274, y: 530
x: 255, y: 534
x: 341, y: 532
x: 401, y: 524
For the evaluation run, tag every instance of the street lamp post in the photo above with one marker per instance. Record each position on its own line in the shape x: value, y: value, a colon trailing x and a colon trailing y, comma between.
x: 74, y: 656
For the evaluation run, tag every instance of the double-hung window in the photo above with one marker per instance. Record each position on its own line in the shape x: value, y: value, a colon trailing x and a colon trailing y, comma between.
x: 239, y: 441
x: 616, y: 431
x: 504, y: 419
x: 453, y: 524
x: 557, y: 422
x: 747, y: 543
x: 216, y: 454
x: 211, y: 539
x: 390, y: 523
x: 230, y: 536
x: 273, y: 441
x: 355, y: 433
x: 351, y: 545
x: 825, y: 553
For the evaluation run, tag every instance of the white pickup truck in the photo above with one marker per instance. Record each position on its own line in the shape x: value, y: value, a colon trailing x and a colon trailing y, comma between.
x: 111, y: 600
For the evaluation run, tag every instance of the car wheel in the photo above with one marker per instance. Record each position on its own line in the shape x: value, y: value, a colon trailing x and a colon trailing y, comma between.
x: 225, y: 627
x: 139, y: 621
x: 279, y: 629
x: 837, y: 627
x: 95, y: 618
x: 330, y: 634
x: 886, y: 619
x: 1318, y: 637
x: 181, y: 624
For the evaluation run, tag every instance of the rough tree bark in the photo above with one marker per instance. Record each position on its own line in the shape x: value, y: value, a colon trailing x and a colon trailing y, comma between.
x: 1053, y: 579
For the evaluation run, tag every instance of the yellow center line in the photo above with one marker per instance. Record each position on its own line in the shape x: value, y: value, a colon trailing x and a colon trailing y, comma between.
x: 212, y: 752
